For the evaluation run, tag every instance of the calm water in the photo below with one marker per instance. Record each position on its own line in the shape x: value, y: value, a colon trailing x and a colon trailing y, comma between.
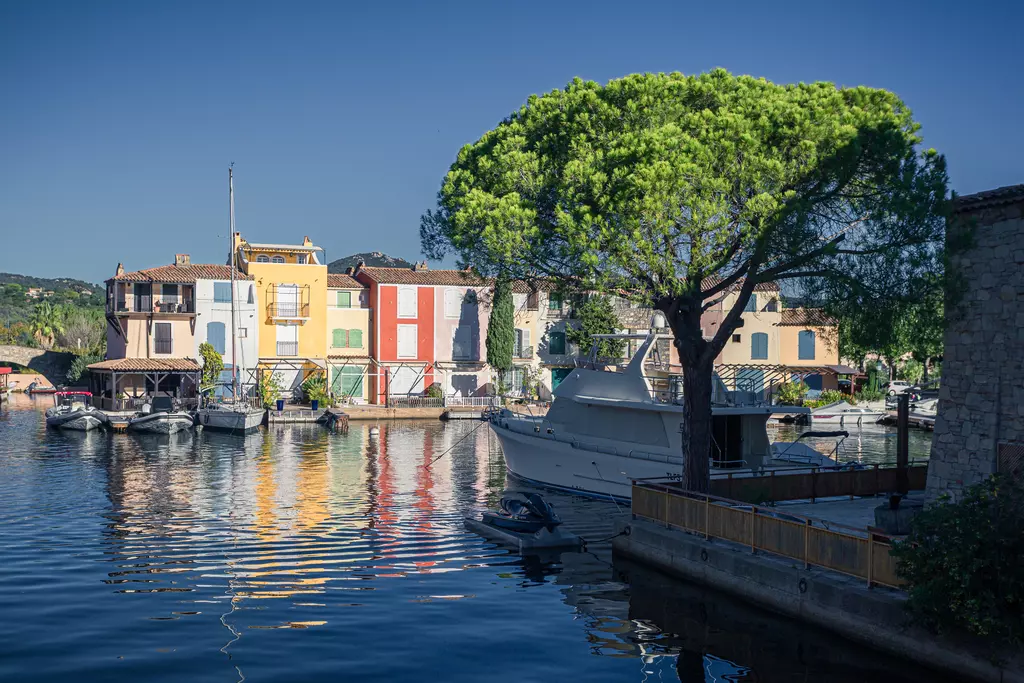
x: 298, y: 555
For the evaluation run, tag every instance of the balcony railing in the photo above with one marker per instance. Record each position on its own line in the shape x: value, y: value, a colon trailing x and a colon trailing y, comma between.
x: 288, y: 348
x: 287, y: 309
x: 522, y: 352
x: 146, y: 304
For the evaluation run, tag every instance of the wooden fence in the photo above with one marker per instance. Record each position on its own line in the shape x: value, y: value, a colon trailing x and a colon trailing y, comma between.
x: 812, y: 541
x: 815, y: 483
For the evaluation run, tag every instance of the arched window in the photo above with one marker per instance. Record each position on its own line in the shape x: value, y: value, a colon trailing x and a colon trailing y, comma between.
x: 252, y: 295
x: 805, y: 345
x: 262, y: 258
x: 759, y: 346
x: 277, y: 259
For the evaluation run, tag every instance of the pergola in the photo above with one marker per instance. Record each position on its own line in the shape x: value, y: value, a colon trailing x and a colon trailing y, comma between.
x: 109, y: 374
x: 734, y: 374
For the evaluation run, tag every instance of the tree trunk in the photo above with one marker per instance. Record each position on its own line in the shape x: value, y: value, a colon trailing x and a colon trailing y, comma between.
x: 696, y: 426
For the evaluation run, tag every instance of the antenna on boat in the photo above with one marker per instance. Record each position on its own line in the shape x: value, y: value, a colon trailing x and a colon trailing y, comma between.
x: 231, y: 262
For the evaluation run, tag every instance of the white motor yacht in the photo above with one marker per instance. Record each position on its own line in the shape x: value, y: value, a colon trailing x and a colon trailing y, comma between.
x: 843, y: 414
x: 610, y: 425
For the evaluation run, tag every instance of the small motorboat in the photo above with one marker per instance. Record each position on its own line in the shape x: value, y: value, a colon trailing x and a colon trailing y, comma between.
x: 523, y: 513
x: 525, y: 520
x: 161, y: 416
x: 239, y: 417
x: 845, y: 415
x: 923, y: 413
x: 40, y: 388
x: 72, y: 410
x: 795, y: 453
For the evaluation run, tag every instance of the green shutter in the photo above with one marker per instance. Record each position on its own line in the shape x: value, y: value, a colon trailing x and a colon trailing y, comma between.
x: 338, y: 340
x: 355, y: 339
x: 344, y: 299
x: 351, y: 381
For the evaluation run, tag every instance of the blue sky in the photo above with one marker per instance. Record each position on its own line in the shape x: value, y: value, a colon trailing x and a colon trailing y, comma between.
x: 119, y: 118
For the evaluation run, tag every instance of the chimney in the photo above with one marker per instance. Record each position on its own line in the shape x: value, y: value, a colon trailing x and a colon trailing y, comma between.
x: 359, y: 266
x: 182, y: 260
x: 120, y: 270
x: 306, y: 242
x: 349, y: 271
x: 422, y: 265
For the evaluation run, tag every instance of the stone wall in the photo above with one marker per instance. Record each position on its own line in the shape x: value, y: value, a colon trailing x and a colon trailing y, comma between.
x: 981, y: 401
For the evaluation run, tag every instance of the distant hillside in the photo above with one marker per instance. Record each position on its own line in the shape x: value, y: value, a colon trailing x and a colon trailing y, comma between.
x: 373, y: 259
x: 59, y: 284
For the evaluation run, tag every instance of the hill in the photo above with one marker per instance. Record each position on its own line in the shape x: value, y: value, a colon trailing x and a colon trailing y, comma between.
x: 373, y: 259
x: 55, y: 285
x: 19, y: 295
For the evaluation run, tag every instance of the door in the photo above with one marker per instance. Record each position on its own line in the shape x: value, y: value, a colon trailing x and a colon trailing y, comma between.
x: 406, y: 381
x: 288, y: 301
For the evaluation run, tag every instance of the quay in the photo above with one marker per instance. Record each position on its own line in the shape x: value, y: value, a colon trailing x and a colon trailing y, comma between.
x: 818, y: 569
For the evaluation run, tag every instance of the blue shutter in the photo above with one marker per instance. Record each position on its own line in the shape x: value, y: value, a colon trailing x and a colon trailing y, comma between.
x: 805, y: 345
x: 759, y: 346
x: 751, y: 306
x: 222, y: 292
x: 215, y: 336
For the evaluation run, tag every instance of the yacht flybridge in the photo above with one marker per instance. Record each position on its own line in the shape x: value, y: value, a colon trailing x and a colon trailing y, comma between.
x: 610, y: 424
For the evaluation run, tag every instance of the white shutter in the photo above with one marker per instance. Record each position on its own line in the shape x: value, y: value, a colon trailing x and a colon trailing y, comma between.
x: 526, y: 343
x: 287, y: 333
x: 407, y: 302
x: 452, y: 302
x: 407, y: 341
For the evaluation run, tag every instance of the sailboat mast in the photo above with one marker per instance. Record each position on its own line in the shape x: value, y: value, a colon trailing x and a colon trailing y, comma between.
x: 231, y: 261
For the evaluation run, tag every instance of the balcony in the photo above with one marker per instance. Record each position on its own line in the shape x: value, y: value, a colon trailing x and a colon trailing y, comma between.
x: 145, y: 305
x: 287, y: 310
x: 522, y: 352
x: 287, y: 349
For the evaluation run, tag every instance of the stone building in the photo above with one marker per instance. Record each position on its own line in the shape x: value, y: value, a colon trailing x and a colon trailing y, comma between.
x: 979, y: 429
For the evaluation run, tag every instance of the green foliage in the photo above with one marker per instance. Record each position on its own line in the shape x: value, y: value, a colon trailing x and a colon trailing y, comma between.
x: 912, y: 371
x: 434, y: 391
x: 213, y: 364
x: 596, y: 316
x: 315, y: 388
x: 84, y: 329
x: 16, y: 306
x: 870, y: 395
x: 269, y: 388
x: 17, y: 334
x: 79, y: 367
x: 963, y: 562
x: 675, y: 188
x: 790, y: 393
x: 501, y: 327
x: 46, y: 323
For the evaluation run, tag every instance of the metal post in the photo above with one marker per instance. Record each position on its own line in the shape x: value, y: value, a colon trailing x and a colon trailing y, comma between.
x: 902, y: 442
x: 707, y: 517
x: 807, y: 541
x: 753, y: 515
x: 871, y: 556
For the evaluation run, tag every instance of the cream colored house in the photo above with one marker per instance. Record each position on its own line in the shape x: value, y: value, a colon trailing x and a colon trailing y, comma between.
x: 348, y: 337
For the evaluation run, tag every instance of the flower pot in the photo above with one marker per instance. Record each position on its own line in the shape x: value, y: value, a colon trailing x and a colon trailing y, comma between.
x: 315, y: 405
x: 280, y: 405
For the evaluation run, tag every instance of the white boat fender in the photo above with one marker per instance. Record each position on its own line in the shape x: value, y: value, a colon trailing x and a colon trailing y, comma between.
x: 374, y: 431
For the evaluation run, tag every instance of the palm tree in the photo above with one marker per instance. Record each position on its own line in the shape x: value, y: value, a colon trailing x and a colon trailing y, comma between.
x: 46, y: 323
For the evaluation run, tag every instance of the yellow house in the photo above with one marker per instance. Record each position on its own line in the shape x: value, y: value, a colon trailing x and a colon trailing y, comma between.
x: 291, y: 293
x: 810, y: 338
x: 348, y: 337
x: 757, y: 341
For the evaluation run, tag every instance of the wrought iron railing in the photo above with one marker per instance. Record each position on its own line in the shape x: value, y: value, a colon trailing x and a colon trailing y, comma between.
x: 415, y: 402
x: 287, y: 309
x: 287, y: 348
x: 472, y: 401
x: 522, y: 352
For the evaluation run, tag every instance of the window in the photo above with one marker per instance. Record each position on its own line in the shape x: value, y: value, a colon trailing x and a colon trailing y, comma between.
x: 262, y: 258
x: 344, y: 300
x: 277, y: 259
x: 805, y: 345
x: 215, y: 336
x: 347, y: 339
x: 287, y: 339
x: 301, y: 258
x: 252, y: 295
x: 348, y: 381
x: 518, y: 302
x: 452, y: 302
x: 522, y: 348
x: 222, y: 292
x: 773, y: 306
x: 242, y: 333
x: 169, y: 292
x: 407, y: 303
x: 407, y: 341
x: 736, y: 338
x: 555, y: 302
x: 751, y: 306
x: 162, y: 338
x: 759, y: 346
x: 556, y: 343
x: 288, y: 301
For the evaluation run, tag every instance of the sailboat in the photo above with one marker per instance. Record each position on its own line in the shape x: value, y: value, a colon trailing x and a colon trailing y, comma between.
x: 236, y: 415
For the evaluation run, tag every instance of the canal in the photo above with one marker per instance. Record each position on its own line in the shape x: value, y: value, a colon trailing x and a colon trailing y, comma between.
x: 297, y: 555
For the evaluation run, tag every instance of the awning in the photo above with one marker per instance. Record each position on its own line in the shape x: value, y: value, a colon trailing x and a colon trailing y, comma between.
x: 146, y: 365
x: 844, y: 370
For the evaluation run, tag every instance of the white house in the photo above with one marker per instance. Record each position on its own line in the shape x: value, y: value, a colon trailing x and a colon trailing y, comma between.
x: 213, y: 322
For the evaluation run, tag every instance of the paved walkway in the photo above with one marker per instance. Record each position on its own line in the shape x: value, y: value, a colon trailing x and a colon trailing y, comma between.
x: 858, y: 513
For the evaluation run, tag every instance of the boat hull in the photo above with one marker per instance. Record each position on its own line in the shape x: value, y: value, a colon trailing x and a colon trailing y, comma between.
x: 845, y: 419
x: 230, y: 420
x: 161, y: 423
x: 559, y: 465
x: 79, y: 423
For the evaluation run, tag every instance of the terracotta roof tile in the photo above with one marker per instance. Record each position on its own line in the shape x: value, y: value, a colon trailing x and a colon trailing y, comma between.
x: 408, y: 276
x: 980, y: 200
x: 342, y: 281
x: 147, y: 365
x: 807, y: 317
x: 710, y: 282
x: 181, y: 274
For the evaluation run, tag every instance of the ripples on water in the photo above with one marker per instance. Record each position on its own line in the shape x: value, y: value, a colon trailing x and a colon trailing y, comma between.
x: 295, y: 554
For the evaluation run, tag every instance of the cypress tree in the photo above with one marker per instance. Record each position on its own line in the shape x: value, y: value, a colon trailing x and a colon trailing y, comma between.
x: 501, y: 327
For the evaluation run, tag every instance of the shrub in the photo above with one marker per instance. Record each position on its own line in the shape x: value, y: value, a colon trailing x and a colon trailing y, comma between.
x: 964, y: 562
x: 790, y: 393
x: 834, y: 396
x: 269, y: 388
x: 213, y: 364
x: 79, y: 367
x: 870, y: 395
x: 434, y: 391
x: 314, y: 387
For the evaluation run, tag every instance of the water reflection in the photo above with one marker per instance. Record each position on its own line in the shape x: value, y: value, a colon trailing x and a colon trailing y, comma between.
x: 296, y: 553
